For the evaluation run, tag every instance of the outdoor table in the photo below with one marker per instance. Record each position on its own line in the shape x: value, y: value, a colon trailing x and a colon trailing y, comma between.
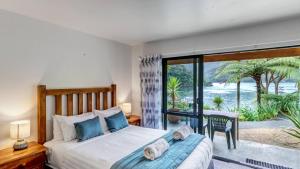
x: 231, y: 115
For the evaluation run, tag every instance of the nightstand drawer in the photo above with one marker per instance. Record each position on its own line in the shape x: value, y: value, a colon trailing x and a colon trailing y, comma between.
x: 36, y: 161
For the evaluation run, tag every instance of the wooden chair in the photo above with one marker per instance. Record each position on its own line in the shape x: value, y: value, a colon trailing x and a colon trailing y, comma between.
x: 221, y: 124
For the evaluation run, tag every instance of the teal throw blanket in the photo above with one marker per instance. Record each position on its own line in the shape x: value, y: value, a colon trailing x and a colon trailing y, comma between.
x: 171, y: 159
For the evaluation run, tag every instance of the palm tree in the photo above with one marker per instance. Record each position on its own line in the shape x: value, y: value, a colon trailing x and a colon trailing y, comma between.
x: 218, y: 101
x: 234, y: 70
x: 238, y: 94
x: 237, y: 70
x: 173, y: 87
x: 296, y: 76
x: 283, y: 67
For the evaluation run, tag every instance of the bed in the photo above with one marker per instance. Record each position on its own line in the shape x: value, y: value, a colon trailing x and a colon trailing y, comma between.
x: 103, y: 151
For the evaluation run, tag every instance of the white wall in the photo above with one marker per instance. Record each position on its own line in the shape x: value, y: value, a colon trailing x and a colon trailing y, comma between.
x: 136, y: 92
x: 33, y: 52
x: 263, y: 35
x: 259, y: 36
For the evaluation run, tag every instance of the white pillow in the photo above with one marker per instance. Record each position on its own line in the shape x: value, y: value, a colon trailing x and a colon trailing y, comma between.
x: 67, y: 125
x: 106, y: 113
x: 57, y: 133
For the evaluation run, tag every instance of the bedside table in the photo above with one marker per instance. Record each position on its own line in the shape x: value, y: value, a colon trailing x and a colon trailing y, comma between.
x: 134, y: 120
x: 33, y: 157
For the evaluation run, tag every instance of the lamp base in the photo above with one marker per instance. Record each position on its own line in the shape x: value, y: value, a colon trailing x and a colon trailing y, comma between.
x: 20, y: 144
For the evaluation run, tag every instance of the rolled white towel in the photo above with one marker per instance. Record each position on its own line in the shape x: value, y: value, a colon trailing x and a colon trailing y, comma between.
x: 182, y: 132
x: 156, y: 149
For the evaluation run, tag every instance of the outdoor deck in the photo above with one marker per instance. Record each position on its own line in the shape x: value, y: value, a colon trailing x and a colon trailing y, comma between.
x: 258, y: 133
x: 257, y: 151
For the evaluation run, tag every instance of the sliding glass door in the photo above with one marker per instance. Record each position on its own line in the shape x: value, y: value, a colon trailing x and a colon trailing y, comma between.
x: 183, y: 92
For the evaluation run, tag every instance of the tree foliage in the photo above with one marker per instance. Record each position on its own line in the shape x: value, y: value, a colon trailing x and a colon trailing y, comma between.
x: 294, y: 116
x: 284, y: 102
x: 218, y: 101
x: 173, y: 87
x: 184, y: 75
x: 277, y: 68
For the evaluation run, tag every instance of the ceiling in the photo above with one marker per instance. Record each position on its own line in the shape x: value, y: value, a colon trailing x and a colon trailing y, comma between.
x: 137, y: 21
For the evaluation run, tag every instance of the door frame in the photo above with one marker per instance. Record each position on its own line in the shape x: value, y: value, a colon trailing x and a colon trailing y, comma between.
x: 285, y: 51
x: 197, y: 61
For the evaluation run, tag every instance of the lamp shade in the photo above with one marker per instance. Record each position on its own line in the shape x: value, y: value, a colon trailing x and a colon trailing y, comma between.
x: 126, y: 108
x: 20, y: 129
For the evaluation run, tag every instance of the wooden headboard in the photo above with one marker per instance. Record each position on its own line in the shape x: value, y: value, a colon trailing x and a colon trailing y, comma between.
x: 43, y: 92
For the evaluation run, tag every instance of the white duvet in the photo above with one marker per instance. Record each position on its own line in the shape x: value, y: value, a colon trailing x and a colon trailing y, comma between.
x: 103, y: 151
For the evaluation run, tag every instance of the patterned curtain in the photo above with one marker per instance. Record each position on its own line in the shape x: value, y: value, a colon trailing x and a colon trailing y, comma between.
x: 151, y: 86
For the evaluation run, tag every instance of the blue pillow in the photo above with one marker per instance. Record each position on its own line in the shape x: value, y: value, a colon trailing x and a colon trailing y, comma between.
x: 116, y: 122
x: 88, y: 129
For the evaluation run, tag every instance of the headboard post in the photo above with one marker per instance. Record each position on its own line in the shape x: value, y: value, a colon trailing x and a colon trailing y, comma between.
x: 41, y: 109
x: 113, y: 95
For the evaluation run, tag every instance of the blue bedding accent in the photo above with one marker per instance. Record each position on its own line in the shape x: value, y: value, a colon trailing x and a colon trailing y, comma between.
x: 171, y: 159
x: 116, y: 122
x: 88, y: 129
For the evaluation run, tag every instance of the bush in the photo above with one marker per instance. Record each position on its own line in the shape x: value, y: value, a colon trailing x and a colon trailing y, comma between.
x: 284, y: 102
x: 218, y: 101
x: 234, y: 109
x: 294, y: 117
x: 263, y: 112
x: 184, y: 106
x: 247, y: 114
x: 267, y: 111
x: 207, y: 107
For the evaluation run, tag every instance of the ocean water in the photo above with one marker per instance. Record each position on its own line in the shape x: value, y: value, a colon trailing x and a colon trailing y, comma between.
x: 229, y: 91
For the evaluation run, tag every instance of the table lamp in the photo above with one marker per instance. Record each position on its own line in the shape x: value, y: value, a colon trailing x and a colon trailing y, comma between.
x: 20, y: 130
x: 126, y: 108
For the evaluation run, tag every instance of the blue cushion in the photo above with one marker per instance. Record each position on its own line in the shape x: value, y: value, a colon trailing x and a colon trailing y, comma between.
x: 116, y: 122
x: 88, y: 129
